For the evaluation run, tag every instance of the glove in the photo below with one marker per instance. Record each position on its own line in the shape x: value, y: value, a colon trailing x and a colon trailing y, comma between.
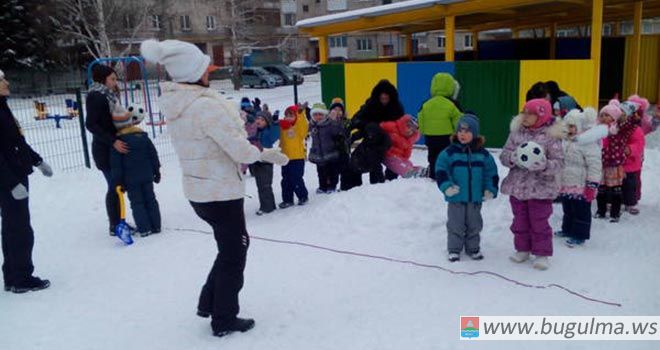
x: 590, y: 191
x: 488, y: 195
x: 45, y: 169
x: 19, y: 192
x: 157, y: 177
x: 273, y: 155
x: 452, y: 191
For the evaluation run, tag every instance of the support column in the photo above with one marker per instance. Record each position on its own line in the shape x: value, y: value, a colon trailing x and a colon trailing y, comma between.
x: 409, y: 47
x: 475, y: 44
x: 553, y: 40
x: 450, y: 38
x: 323, y: 49
x: 635, y: 48
x: 596, y: 39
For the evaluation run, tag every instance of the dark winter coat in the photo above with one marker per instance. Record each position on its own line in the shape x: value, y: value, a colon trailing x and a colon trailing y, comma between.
x: 369, y: 154
x: 328, y: 138
x: 374, y: 112
x: 138, y: 166
x: 17, y: 158
x: 99, y: 123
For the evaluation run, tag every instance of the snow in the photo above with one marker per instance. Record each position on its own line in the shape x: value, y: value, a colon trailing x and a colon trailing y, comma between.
x: 108, y: 296
x: 300, y: 64
x: 372, y: 12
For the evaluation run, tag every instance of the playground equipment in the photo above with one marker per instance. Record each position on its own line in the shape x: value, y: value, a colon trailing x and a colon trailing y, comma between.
x: 41, y: 110
x: 130, y: 88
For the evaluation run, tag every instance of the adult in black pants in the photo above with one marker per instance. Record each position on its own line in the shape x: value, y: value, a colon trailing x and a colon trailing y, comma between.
x: 383, y: 105
x: 209, y: 138
x: 101, y: 101
x: 17, y: 160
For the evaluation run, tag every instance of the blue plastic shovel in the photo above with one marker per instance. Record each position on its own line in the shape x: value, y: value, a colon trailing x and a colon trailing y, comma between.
x: 122, y: 230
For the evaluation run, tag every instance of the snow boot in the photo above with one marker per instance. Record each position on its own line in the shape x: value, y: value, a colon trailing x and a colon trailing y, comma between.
x: 145, y: 234
x: 476, y: 256
x: 633, y: 210
x: 599, y: 216
x: 541, y: 263
x: 320, y: 191
x: 237, y: 325
x: 561, y: 234
x: 8, y: 288
x: 303, y: 201
x: 614, y: 219
x: 32, y: 284
x: 285, y: 205
x: 573, y: 242
x: 519, y: 257
x: 203, y: 314
x: 453, y: 257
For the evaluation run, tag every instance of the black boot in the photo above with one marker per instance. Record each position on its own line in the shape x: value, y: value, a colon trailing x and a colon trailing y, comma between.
x: 237, y: 325
x: 32, y: 284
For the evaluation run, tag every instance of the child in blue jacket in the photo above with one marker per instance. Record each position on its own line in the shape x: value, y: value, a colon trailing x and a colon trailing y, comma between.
x: 467, y: 175
x: 136, y: 172
x: 268, y: 132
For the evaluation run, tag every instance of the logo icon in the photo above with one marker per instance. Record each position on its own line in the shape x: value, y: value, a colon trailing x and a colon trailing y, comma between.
x: 469, y: 327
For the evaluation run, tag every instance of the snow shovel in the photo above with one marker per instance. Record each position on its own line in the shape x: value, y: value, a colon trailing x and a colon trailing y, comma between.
x: 122, y: 230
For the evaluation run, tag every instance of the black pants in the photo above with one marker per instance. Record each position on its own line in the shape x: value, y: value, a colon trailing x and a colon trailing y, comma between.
x: 144, y: 205
x: 435, y: 146
x: 17, y: 238
x: 219, y: 294
x: 328, y: 174
x: 629, y: 188
x: 577, y: 218
x: 293, y: 181
x: 376, y: 175
x: 111, y: 201
x: 611, y: 195
x: 263, y: 174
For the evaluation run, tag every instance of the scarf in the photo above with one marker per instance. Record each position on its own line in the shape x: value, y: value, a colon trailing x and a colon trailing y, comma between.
x: 105, y: 91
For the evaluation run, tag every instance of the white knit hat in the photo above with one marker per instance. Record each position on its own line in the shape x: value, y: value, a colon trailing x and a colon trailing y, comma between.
x: 184, y: 62
x: 2, y: 74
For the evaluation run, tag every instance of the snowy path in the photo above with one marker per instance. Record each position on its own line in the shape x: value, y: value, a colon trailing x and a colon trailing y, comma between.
x: 107, y: 296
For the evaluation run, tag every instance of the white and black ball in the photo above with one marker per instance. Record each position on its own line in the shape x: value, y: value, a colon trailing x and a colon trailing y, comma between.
x: 530, y: 155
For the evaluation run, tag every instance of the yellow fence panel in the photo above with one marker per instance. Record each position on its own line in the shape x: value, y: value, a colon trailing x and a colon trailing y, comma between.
x: 649, y: 68
x: 360, y: 80
x: 575, y: 77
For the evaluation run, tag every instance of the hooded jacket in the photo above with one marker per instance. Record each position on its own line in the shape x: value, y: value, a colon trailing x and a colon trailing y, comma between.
x: 293, y: 134
x: 402, y: 145
x: 210, y: 141
x: 375, y: 112
x: 522, y: 183
x: 582, y: 163
x: 328, y: 138
x: 439, y: 115
x: 140, y: 164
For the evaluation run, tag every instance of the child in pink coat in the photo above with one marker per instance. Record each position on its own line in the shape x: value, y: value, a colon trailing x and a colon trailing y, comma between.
x: 634, y: 151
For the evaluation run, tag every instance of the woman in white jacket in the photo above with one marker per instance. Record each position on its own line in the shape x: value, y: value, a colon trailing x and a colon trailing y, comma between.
x: 581, y: 175
x: 211, y: 144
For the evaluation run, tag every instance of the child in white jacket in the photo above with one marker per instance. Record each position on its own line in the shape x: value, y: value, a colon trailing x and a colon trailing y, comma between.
x: 580, y: 177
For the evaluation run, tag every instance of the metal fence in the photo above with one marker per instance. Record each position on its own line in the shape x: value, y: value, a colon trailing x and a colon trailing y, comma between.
x: 54, y: 122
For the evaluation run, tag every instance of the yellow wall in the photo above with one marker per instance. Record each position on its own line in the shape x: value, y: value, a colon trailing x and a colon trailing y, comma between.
x: 575, y: 77
x: 360, y: 80
x: 649, y: 70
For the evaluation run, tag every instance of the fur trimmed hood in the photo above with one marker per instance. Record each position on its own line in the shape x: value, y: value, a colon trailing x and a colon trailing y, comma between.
x: 554, y: 129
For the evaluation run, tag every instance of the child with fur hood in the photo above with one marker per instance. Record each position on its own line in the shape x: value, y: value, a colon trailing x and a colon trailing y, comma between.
x: 403, y: 133
x: 533, y: 189
x: 467, y: 176
x: 580, y: 177
x: 328, y: 140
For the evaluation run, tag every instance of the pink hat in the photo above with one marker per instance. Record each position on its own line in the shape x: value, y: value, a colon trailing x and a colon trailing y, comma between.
x: 613, y: 109
x: 541, y: 107
x: 641, y: 102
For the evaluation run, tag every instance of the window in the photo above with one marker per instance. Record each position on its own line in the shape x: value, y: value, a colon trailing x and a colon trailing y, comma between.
x: 441, y: 42
x: 385, y: 2
x: 210, y: 23
x: 388, y: 50
x: 155, y: 22
x: 289, y: 19
x: 338, y: 41
x: 337, y: 5
x: 305, y: 8
x: 364, y: 45
x: 185, y: 23
x: 467, y: 41
x: 607, y: 30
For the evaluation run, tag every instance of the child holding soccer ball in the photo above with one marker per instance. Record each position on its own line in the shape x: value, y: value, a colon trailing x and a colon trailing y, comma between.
x: 535, y: 156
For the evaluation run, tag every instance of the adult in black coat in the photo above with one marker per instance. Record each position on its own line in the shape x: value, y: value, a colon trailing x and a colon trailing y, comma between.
x: 17, y: 160
x: 556, y: 92
x: 101, y: 101
x: 383, y: 105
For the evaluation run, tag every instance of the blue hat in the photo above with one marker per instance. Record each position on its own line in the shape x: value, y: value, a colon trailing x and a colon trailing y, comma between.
x: 469, y: 121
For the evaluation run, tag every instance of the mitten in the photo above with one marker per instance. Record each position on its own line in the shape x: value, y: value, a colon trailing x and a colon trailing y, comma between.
x: 275, y: 156
x: 452, y: 191
x: 590, y: 191
x: 19, y: 192
x: 45, y: 169
x: 488, y: 195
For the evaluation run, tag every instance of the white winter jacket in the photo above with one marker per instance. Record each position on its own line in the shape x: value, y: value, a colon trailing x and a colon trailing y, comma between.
x: 210, y: 141
x: 582, y: 160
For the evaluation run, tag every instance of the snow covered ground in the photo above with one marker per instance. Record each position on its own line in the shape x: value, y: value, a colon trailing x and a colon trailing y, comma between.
x: 108, y: 296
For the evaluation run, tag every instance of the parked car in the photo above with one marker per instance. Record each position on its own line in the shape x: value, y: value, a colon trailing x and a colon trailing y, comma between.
x: 255, y: 76
x: 304, y: 67
x: 286, y: 73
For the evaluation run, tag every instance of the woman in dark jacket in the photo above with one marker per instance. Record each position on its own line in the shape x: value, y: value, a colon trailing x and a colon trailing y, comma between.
x: 101, y: 101
x: 17, y: 160
x: 383, y: 105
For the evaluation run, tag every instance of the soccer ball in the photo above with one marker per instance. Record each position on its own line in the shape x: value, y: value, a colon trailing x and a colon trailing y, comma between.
x: 530, y: 155
x: 137, y: 114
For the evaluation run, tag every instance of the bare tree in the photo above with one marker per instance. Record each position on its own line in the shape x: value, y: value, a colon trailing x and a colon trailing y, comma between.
x: 249, y: 29
x: 98, y: 24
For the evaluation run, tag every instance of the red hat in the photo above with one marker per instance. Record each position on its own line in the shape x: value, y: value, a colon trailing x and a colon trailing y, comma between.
x: 292, y: 108
x: 541, y: 107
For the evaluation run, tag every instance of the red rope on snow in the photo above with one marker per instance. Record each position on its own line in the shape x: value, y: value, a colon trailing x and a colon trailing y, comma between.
x: 417, y: 264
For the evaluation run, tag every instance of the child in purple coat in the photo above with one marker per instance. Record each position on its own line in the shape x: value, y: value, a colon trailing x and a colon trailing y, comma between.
x: 532, y: 189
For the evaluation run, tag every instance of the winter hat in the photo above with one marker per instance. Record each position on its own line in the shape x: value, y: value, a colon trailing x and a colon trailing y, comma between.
x: 184, y: 61
x: 245, y: 103
x: 319, y: 108
x: 564, y: 104
x: 629, y: 108
x: 582, y: 120
x: 470, y: 122
x: 642, y: 102
x: 293, y: 109
x: 124, y: 118
x: 101, y: 72
x: 2, y: 75
x: 540, y: 107
x: 337, y: 102
x: 613, y: 109
x: 265, y: 116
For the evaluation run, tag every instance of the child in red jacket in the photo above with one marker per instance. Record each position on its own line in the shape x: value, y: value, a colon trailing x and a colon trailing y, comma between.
x: 403, y: 133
